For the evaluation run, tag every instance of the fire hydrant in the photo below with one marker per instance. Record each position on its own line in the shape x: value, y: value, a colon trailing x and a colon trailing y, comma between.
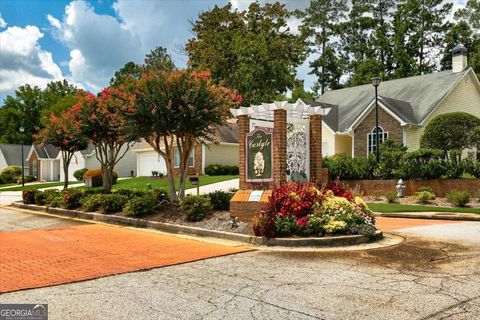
x: 400, y: 188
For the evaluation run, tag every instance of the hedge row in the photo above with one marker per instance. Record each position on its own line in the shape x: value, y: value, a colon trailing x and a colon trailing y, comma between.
x: 422, y: 164
x: 133, y: 203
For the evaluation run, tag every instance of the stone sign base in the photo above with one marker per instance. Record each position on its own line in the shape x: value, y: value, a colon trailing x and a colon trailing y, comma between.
x: 243, y: 209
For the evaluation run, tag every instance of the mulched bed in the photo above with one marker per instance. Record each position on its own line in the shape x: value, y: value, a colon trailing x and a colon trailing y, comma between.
x: 441, y: 202
x: 218, y: 220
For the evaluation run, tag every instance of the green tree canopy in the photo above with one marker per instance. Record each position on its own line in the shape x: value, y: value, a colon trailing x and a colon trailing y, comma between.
x: 251, y: 51
x: 452, y: 131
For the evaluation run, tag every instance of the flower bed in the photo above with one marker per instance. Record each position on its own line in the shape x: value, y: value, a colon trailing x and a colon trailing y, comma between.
x: 303, y: 209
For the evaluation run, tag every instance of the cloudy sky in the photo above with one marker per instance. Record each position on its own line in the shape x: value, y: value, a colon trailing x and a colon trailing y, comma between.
x: 85, y: 42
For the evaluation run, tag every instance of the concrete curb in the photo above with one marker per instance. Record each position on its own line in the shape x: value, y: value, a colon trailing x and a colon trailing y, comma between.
x: 431, y: 215
x: 337, y: 241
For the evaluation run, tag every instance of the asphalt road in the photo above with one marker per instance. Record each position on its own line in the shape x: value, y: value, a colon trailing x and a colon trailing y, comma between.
x: 422, y: 278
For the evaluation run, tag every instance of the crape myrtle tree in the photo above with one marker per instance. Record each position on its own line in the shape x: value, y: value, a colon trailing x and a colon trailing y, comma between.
x: 63, y: 132
x: 177, y: 110
x: 452, y: 131
x: 104, y: 120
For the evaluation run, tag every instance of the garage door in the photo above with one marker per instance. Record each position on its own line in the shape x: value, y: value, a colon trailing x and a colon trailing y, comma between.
x: 150, y: 162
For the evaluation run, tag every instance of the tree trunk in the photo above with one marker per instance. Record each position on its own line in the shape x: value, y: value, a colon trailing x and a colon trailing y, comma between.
x: 171, y: 179
x: 107, y: 174
x: 66, y: 158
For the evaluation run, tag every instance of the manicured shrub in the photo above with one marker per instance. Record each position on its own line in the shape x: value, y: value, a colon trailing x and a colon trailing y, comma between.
x: 472, y: 167
x: 221, y: 170
x: 425, y: 188
x: 40, y: 198
x: 91, y: 202
x: 55, y: 201
x: 196, y: 207
x: 28, y: 196
x: 129, y: 193
x: 424, y: 196
x: 162, y: 196
x: 423, y: 164
x: 50, y: 195
x: 138, y: 206
x: 458, y: 198
x: 78, y: 174
x: 71, y: 198
x: 220, y: 200
x: 96, y: 175
x: 377, y: 195
x: 112, y: 203
x: 10, y: 174
x: 348, y: 168
x: 455, y: 165
x: 25, y: 178
x: 392, y: 197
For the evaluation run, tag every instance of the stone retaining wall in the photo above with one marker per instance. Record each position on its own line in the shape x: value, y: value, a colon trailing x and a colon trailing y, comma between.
x: 440, y: 187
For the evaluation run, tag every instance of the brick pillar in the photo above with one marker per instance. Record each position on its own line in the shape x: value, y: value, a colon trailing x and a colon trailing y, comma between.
x: 316, y: 148
x: 279, y: 146
x: 244, y: 129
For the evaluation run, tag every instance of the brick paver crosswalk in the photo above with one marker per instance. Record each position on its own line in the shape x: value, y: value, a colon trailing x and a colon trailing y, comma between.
x: 44, y: 257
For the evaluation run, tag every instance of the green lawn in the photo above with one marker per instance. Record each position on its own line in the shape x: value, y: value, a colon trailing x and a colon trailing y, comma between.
x: 394, y: 207
x: 140, y: 183
x: 38, y: 186
x: 7, y: 185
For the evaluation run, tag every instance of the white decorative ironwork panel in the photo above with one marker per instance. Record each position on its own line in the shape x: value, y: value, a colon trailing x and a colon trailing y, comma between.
x: 298, y: 147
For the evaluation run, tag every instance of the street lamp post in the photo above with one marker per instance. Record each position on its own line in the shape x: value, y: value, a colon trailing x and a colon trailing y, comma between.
x: 376, y: 82
x: 22, y: 130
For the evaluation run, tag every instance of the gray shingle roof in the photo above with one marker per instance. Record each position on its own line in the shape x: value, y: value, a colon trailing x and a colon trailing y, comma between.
x: 13, y: 153
x: 47, y: 151
x: 228, y: 133
x: 412, y: 99
x: 89, y: 149
x: 331, y: 119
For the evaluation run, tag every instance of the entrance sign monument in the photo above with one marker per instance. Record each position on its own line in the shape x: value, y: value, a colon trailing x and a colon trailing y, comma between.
x: 288, y: 148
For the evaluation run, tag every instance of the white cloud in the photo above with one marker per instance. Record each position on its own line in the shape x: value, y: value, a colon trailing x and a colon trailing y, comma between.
x: 22, y: 60
x: 99, y: 44
x: 3, y: 23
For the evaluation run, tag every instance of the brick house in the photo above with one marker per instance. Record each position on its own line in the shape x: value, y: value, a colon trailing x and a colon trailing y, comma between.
x: 406, y: 106
x: 223, y: 150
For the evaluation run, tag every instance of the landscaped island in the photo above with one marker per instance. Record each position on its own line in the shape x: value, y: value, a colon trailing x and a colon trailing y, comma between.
x: 294, y: 209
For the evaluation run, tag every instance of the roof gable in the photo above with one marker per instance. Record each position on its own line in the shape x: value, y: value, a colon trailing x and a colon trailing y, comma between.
x: 411, y: 99
x: 12, y: 154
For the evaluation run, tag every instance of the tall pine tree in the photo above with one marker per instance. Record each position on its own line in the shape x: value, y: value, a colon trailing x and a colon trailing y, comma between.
x: 322, y: 24
x: 419, y: 27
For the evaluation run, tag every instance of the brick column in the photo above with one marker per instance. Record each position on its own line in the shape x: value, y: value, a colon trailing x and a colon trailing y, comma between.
x: 316, y: 148
x: 243, y: 128
x: 279, y: 146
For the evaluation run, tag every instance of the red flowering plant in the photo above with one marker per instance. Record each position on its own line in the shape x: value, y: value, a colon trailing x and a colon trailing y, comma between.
x: 304, y: 209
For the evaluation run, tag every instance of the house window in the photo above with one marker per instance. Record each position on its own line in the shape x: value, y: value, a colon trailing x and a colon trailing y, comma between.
x: 372, y: 139
x: 176, y: 159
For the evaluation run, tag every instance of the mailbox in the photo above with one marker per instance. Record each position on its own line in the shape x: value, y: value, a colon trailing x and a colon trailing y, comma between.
x: 193, y: 181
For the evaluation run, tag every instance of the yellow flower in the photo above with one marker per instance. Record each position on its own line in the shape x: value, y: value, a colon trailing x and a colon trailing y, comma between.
x: 329, y: 194
x: 359, y: 201
x: 335, y: 203
x: 294, y: 196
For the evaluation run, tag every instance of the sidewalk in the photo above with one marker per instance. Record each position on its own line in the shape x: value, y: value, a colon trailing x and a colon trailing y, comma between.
x: 223, y: 186
x: 431, y: 215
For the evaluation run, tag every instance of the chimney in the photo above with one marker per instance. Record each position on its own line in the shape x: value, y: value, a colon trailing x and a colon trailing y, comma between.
x: 459, y: 58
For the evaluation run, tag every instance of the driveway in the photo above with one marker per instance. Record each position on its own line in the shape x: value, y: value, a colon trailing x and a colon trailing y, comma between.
x: 421, y: 278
